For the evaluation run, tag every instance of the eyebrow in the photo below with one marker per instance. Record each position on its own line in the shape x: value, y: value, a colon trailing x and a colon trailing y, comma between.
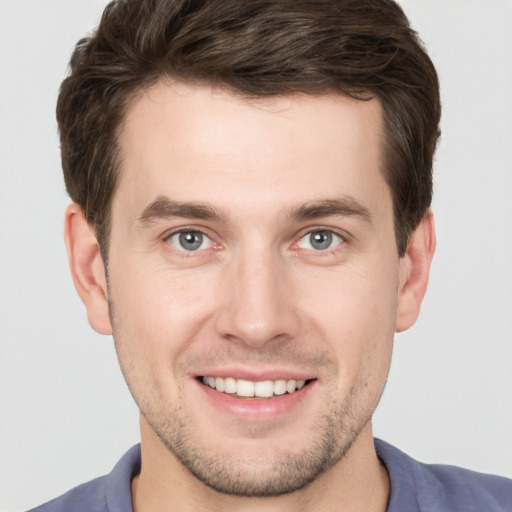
x: 164, y: 208
x: 345, y: 206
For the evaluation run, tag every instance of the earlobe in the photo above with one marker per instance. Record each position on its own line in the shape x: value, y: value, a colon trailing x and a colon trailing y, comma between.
x: 87, y: 268
x: 414, y: 272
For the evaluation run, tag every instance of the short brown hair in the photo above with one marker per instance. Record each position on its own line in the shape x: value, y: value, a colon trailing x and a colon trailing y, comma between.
x: 257, y: 48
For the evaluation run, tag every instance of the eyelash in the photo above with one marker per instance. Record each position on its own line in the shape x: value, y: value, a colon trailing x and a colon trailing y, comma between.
x: 334, y: 236
x: 190, y: 253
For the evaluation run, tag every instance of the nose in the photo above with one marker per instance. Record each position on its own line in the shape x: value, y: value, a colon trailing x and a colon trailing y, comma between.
x: 257, y: 302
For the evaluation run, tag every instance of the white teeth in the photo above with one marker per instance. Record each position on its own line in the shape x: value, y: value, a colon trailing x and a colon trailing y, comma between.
x: 264, y: 389
x: 244, y: 387
x: 247, y: 388
x: 291, y: 386
x: 230, y: 385
x: 219, y: 384
x: 279, y: 387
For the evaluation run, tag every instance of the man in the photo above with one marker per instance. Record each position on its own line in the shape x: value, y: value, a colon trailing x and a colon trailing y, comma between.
x: 251, y: 186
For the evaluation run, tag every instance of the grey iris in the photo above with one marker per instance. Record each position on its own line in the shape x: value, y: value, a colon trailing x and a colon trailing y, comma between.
x: 320, y: 240
x: 191, y: 240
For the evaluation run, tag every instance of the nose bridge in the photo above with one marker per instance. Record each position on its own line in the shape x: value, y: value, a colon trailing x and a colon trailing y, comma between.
x: 258, y: 305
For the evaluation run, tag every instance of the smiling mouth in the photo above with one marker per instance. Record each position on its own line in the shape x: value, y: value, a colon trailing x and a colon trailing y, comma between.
x: 249, y: 389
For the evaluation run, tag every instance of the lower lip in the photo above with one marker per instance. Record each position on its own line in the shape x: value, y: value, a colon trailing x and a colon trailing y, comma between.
x: 257, y: 408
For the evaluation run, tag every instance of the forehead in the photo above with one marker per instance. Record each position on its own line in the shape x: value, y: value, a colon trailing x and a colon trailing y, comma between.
x: 195, y: 143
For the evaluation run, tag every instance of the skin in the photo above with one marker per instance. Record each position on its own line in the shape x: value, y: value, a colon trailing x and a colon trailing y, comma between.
x: 257, y: 299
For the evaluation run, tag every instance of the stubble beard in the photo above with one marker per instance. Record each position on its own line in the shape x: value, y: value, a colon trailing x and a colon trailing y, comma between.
x: 243, y: 476
x: 331, y: 438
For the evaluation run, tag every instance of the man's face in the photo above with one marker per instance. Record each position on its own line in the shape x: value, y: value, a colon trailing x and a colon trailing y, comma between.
x: 253, y: 241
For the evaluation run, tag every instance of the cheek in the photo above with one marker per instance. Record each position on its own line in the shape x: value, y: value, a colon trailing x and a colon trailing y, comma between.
x: 355, y: 312
x: 159, y: 312
x: 155, y: 320
x: 360, y: 299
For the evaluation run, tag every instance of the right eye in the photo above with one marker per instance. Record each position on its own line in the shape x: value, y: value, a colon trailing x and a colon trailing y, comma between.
x: 190, y: 240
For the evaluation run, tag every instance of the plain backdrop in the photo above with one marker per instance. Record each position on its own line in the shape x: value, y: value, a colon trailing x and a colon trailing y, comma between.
x: 65, y: 413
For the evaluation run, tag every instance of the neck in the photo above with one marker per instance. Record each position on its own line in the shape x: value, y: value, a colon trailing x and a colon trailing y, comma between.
x: 358, y: 482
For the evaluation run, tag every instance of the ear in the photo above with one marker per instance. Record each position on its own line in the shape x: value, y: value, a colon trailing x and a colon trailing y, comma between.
x: 87, y: 268
x: 414, y: 272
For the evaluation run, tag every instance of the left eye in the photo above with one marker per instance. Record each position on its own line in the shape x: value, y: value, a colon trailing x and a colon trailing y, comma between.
x: 320, y: 240
x: 190, y: 241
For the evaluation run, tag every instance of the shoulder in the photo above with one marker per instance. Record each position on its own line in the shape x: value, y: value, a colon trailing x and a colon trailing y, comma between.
x: 88, y: 497
x: 477, y: 491
x: 439, y: 488
x: 110, y: 493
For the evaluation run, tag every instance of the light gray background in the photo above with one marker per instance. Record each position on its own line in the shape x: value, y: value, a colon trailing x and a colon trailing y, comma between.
x: 65, y: 413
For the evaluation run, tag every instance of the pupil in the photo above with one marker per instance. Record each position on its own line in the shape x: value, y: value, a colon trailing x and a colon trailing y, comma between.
x: 321, y: 240
x: 191, y: 240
